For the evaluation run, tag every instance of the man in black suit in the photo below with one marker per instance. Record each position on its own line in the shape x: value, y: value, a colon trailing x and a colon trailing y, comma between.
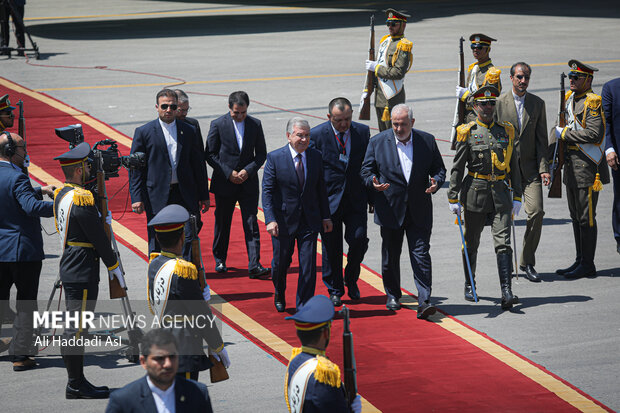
x: 236, y: 150
x: 161, y: 390
x: 611, y: 105
x: 175, y: 171
x: 296, y: 209
x: 398, y: 165
x: 343, y: 144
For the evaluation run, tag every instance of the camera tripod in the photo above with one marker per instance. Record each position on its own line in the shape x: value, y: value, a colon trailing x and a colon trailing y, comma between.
x: 18, y: 21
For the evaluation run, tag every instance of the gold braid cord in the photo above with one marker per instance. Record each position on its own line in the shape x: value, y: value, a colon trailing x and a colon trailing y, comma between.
x: 505, y: 166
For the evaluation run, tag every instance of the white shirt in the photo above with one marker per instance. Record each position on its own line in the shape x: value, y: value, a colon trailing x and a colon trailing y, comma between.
x: 164, y: 399
x: 296, y: 160
x: 519, y: 101
x: 239, y: 128
x: 405, y: 155
x: 346, y: 139
x: 170, y: 134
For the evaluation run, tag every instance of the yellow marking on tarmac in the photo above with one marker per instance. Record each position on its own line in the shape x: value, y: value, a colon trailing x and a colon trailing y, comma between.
x: 161, y: 13
x: 279, y: 78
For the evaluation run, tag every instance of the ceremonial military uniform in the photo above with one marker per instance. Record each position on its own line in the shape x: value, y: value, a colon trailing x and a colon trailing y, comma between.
x: 312, y: 381
x: 393, y: 62
x: 83, y: 241
x: 479, y: 75
x: 585, y: 169
x: 485, y: 193
x: 174, y: 295
x: 6, y: 113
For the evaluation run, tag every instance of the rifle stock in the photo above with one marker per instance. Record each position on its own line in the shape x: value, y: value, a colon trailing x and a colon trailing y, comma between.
x: 369, y: 86
x: 196, y: 254
x: 555, y: 187
x: 350, y: 368
x: 459, y: 111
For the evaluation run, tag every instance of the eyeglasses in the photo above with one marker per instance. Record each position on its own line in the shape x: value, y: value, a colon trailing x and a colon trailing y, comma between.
x: 576, y: 76
x: 185, y: 110
x: 478, y: 46
x: 521, y: 77
x: 486, y: 102
x: 165, y: 106
x: 392, y: 24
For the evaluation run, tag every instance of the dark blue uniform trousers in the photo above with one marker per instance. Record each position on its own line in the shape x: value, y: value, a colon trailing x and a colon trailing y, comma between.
x: 615, y: 212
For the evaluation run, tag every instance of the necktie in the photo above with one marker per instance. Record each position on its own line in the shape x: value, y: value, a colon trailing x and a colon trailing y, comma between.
x: 299, y: 168
x: 341, y: 144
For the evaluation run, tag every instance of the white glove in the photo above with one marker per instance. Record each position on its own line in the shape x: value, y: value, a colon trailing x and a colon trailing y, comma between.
x: 108, y: 218
x: 116, y: 272
x: 455, y: 208
x: 371, y: 65
x: 516, y: 207
x: 460, y: 91
x: 206, y: 293
x: 356, y: 406
x: 222, y: 356
x: 364, y: 96
x: 558, y: 132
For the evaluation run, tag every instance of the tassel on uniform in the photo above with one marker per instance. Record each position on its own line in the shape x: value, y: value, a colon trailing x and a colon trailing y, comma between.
x: 153, y: 256
x: 386, y: 115
x: 327, y: 372
x: 597, y: 186
x: 185, y: 269
x: 82, y: 197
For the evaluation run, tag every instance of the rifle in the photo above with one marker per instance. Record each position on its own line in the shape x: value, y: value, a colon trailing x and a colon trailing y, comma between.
x: 196, y: 254
x: 370, y: 76
x: 459, y: 110
x: 21, y: 126
x: 555, y: 187
x: 350, y: 369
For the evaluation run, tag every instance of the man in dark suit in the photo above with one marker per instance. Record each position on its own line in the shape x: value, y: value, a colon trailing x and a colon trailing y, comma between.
x: 175, y: 171
x: 611, y: 107
x: 343, y: 145
x: 296, y: 208
x: 398, y: 165
x: 161, y: 390
x: 236, y: 150
x: 21, y: 245
x: 182, y: 111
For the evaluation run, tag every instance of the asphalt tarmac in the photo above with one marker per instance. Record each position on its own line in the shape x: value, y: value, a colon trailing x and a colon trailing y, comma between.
x: 293, y: 58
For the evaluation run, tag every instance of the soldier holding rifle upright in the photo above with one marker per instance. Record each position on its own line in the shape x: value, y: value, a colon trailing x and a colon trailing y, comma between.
x: 486, y: 149
x: 585, y: 169
x: 84, y: 242
x: 392, y: 64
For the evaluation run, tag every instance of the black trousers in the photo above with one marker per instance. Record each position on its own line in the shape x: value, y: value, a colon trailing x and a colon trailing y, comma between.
x: 25, y: 276
x: 224, y: 209
x: 5, y: 12
x: 74, y: 296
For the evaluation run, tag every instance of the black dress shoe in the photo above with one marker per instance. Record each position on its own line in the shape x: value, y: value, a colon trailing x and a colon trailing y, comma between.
x: 220, y: 267
x: 569, y: 269
x: 426, y: 310
x: 354, y: 292
x: 530, y: 273
x: 97, y: 388
x: 259, y: 271
x: 84, y: 391
x: 392, y: 304
x: 580, y: 272
x: 469, y: 292
x: 335, y: 300
x: 25, y: 364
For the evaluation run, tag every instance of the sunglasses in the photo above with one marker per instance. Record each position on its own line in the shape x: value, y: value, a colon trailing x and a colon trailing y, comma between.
x: 576, y: 76
x: 486, y: 102
x: 477, y: 46
x: 392, y: 24
x: 165, y: 106
x: 521, y: 77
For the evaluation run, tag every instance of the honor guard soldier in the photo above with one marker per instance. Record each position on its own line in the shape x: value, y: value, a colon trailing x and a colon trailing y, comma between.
x: 83, y: 241
x: 392, y: 64
x: 480, y: 73
x: 6, y: 113
x: 585, y: 170
x: 312, y: 381
x: 486, y: 149
x: 174, y: 296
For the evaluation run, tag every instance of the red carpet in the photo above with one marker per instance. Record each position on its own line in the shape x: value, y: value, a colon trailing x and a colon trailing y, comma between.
x: 403, y: 364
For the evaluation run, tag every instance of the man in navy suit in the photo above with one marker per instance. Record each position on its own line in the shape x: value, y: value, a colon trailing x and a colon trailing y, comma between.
x: 161, y: 390
x: 236, y: 150
x: 21, y: 244
x: 175, y: 171
x: 398, y: 165
x: 611, y: 105
x: 343, y: 145
x: 296, y: 208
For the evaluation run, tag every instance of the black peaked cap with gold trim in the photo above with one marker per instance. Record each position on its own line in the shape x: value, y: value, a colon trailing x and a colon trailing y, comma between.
x: 170, y: 218
x: 316, y: 313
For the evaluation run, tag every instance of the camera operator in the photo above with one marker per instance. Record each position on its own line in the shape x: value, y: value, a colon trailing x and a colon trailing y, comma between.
x: 84, y: 241
x: 175, y: 171
x: 21, y: 244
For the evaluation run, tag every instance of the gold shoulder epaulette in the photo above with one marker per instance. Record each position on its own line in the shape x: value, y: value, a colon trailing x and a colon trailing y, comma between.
x: 404, y: 45
x: 462, y: 132
x: 471, y: 66
x: 491, y: 77
x: 57, y: 190
x: 567, y: 95
x: 153, y: 256
x: 327, y: 372
x: 593, y: 101
x: 83, y: 197
x: 295, y: 352
x: 185, y: 269
x: 509, y: 129
x: 383, y: 38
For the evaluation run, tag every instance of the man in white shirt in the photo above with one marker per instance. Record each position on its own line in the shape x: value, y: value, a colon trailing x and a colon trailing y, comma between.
x: 161, y: 390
